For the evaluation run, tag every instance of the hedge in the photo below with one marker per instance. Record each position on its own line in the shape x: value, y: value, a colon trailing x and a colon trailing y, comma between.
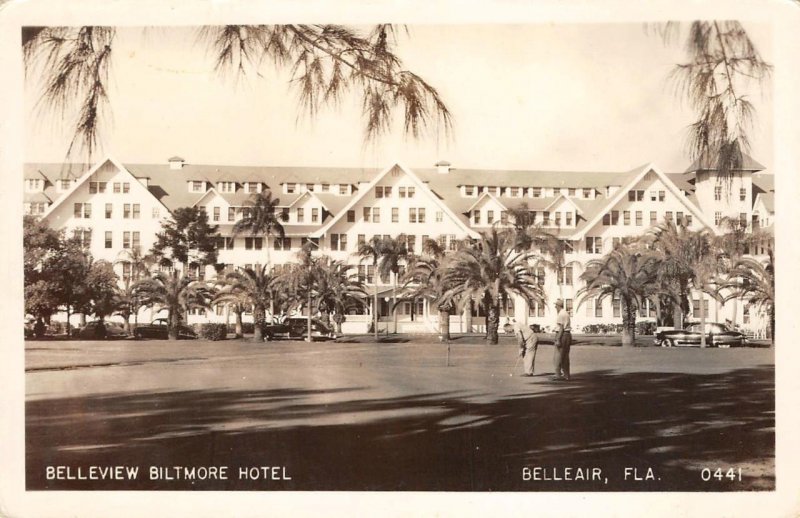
x: 214, y: 331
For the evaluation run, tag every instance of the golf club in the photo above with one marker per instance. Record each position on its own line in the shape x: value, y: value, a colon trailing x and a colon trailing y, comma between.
x: 515, y: 366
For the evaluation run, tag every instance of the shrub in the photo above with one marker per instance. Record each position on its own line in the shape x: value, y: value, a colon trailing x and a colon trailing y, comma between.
x: 214, y: 331
x: 645, y: 328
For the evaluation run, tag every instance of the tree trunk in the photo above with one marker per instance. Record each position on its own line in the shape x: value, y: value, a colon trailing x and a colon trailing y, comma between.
x: 258, y: 319
x: 308, y: 338
x: 69, y: 327
x: 628, y: 324
x: 493, y: 323
x: 468, y: 317
x: 172, y: 325
x: 238, y: 329
x: 128, y: 323
x: 444, y: 325
x: 394, y: 302
x: 83, y: 319
x: 375, y: 309
x: 772, y: 324
x: 703, y: 343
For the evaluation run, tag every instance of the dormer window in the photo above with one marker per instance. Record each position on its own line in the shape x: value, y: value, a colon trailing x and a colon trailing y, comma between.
x: 226, y: 186
x: 469, y: 190
x: 34, y: 184
x: 326, y: 187
x: 197, y: 186
x: 513, y: 192
x: 571, y: 192
x: 309, y: 187
x: 536, y: 192
x: 290, y: 188
x: 343, y: 189
x: 64, y: 184
x: 252, y: 187
x: 587, y: 193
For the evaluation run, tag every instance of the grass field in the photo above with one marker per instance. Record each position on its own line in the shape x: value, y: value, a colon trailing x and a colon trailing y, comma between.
x: 395, y: 416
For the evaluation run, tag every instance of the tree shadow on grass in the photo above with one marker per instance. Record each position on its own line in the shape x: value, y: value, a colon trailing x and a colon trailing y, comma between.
x: 674, y: 423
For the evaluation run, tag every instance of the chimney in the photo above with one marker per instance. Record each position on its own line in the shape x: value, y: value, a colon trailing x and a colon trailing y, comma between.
x: 176, y: 162
x: 443, y: 167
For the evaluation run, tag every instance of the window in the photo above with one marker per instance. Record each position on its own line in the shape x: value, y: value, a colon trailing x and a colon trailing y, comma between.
x: 343, y: 189
x: 109, y: 240
x: 439, y: 216
x: 216, y: 213
x: 226, y: 186
x: 290, y: 188
x: 717, y: 218
x: 383, y: 192
x: 598, y: 308
x: 661, y: 195
x: 253, y: 243
x: 96, y: 187
x: 631, y: 195
x: 557, y: 219
x: 537, y: 310
x: 109, y: 210
x: 743, y: 219
x: 489, y: 217
x: 679, y: 217
x: 653, y: 196
x: 251, y: 187
x: 65, y: 184
x: 155, y: 212
x: 540, y: 275
x: 742, y: 194
x: 568, y: 306
x: 376, y: 214
x: 696, y: 307
x: 361, y: 239
x: 616, y: 307
x: 126, y: 240
x: 126, y: 270
x: 309, y: 187
x: 615, y: 242
x: 469, y: 190
x: 224, y: 243
x: 314, y: 215
x: 504, y: 217
x: 135, y: 243
x: 452, y: 243
x: 587, y: 193
x: 565, y: 279
x: 589, y: 307
x: 717, y: 193
x: 83, y: 236
x: 513, y: 191
x: 326, y: 187
x: 416, y: 215
x: 300, y: 215
x: 476, y: 217
x: 668, y: 215
x: 653, y: 217
x: 282, y: 244
x: 606, y: 219
x: 367, y: 214
x: 567, y: 218
x: 126, y: 211
x: 410, y: 192
x: 197, y: 186
x: 395, y: 215
x: 231, y: 214
x: 594, y: 245
x: 571, y: 192
x: 411, y: 241
x: 637, y: 195
x: 83, y: 210
x: 638, y: 218
x: 117, y: 187
x: 339, y: 242
x: 688, y: 220
x: 537, y: 192
x: 746, y: 314
x: 401, y: 192
x: 615, y: 217
x: 626, y: 217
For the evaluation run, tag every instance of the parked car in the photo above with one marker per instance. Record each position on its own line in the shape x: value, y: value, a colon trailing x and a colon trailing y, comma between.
x: 717, y: 335
x: 297, y: 328
x: 159, y: 329
x: 98, y: 330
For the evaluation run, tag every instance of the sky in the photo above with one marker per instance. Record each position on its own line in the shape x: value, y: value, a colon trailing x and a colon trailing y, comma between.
x: 590, y: 97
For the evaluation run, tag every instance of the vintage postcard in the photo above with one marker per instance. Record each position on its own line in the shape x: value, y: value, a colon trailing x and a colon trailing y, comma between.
x: 413, y: 260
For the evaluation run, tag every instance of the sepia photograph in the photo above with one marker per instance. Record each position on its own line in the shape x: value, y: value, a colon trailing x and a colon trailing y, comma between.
x: 433, y: 257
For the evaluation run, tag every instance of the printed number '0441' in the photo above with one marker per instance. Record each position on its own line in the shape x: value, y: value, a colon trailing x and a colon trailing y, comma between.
x: 720, y: 474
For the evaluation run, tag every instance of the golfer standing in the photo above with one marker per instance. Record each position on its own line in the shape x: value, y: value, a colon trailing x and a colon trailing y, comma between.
x: 562, y: 342
x: 528, y: 342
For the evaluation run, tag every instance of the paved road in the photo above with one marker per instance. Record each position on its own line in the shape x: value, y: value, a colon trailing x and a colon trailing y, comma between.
x: 394, y: 416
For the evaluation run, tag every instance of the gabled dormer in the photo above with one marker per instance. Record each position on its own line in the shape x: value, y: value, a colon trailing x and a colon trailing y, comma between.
x: 197, y: 186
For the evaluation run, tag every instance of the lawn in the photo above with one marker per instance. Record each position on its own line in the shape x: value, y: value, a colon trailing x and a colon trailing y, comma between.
x: 394, y: 416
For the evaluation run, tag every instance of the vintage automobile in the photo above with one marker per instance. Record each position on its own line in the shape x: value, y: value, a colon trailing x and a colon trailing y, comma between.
x: 296, y: 328
x: 158, y: 328
x: 717, y: 335
x: 98, y: 330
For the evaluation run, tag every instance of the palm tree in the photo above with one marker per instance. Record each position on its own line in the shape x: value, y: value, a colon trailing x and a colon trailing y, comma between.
x: 394, y: 252
x: 261, y: 218
x: 245, y: 289
x: 426, y: 280
x: 372, y: 250
x: 623, y: 274
x: 757, y: 285
x: 491, y: 271
x: 299, y: 282
x: 177, y: 293
x: 338, y: 290
x: 680, y: 251
x: 140, y: 265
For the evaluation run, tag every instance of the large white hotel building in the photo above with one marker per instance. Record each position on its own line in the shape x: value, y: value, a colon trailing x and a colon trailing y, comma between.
x: 115, y: 207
